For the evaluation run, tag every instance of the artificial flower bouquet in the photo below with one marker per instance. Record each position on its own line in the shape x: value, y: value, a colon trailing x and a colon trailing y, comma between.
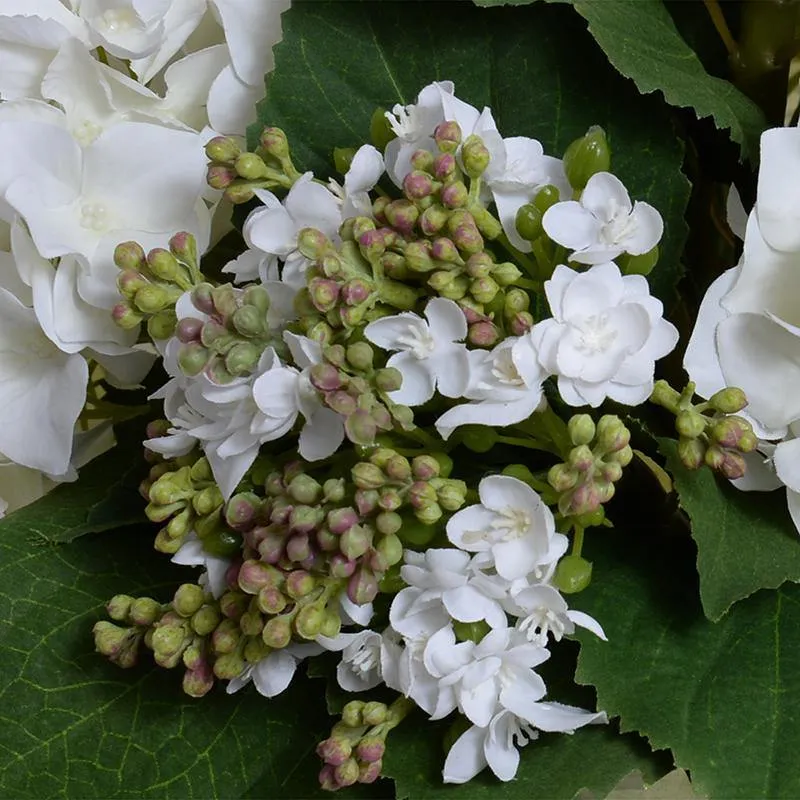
x: 448, y: 475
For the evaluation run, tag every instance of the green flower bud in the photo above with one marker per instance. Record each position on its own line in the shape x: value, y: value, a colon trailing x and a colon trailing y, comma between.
x: 562, y: 478
x: 506, y: 273
x: 193, y: 358
x: 360, y: 355
x: 152, y: 298
x: 355, y: 541
x: 304, y: 489
x: 484, y: 289
x: 587, y: 156
x: 728, y: 401
x: 367, y: 476
x: 447, y: 136
x: 129, y: 282
x: 144, y: 611
x: 391, y: 549
x: 119, y: 644
x: 331, y: 625
x: 433, y: 219
x: 222, y: 542
x: 162, y: 324
x: 168, y: 641
x: 622, y: 457
x: 690, y: 424
x: 205, y: 620
x: 612, y: 435
x: 119, y: 606
x: 452, y: 495
x: 242, y: 359
x: 126, y: 317
x: 271, y: 600
x: 342, y: 158
x: 528, y: 222
x: 249, y: 321
x: 275, y: 143
x: 388, y: 522
x: 198, y: 682
x: 255, y: 650
x: 333, y: 490
x: 380, y: 131
x: 515, y: 300
x: 309, y: 620
x: 487, y: 224
x: 223, y: 149
x: 130, y: 256
x: 251, y: 623
x: 164, y: 265
x: 429, y: 514
x: 581, y: 429
x: 312, y: 243
x: 478, y: 438
x: 250, y: 167
x: 207, y: 500
x: 226, y: 636
x: 573, y: 574
x: 546, y: 196
x: 188, y: 599
x: 228, y: 666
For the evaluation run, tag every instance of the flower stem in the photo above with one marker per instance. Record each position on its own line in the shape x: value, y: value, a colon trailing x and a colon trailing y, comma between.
x: 718, y: 18
x: 577, y: 541
x: 524, y: 261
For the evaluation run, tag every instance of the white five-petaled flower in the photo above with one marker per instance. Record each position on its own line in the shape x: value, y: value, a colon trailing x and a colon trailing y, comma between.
x: 287, y: 392
x: 368, y: 659
x: 273, y: 674
x: 505, y: 387
x: 604, y: 337
x: 604, y: 224
x: 365, y: 171
x: 429, y: 354
x: 414, y: 126
x: 512, y: 523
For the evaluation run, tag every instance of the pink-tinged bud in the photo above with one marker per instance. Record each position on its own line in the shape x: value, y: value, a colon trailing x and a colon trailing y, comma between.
x: 376, y: 561
x: 325, y: 377
x: 183, y: 246
x: 254, y: 576
x: 421, y: 494
x: 277, y: 633
x: 334, y: 751
x: 417, y: 185
x: 238, y: 193
x: 271, y: 548
x: 610, y: 471
x: 233, y: 604
x: 418, y: 256
x: 370, y: 771
x: 433, y: 219
x: 480, y: 265
x: 733, y: 465
x: 126, y: 317
x: 130, y: 281
x: 130, y: 256
x: 362, y: 587
x: 370, y: 749
x: 341, y: 402
x: 220, y: 177
x: 447, y: 136
x: 324, y: 294
x: 241, y: 509
x: 444, y: 166
x: 355, y: 541
x: 313, y: 243
x: 379, y: 207
x: 341, y: 566
x: 304, y: 519
x: 203, y: 299
x: 372, y: 243
x: 281, y: 511
x: 521, y: 323
x: 327, y: 542
x: 454, y: 195
x: 189, y: 330
x: 402, y: 215
x: 299, y: 583
x: 298, y: 547
x: 483, y: 334
x: 356, y: 291
x: 444, y: 249
x: 422, y: 160
x: 360, y: 427
x: 274, y: 142
x: 583, y: 500
x: 382, y: 418
x: 232, y: 574
x: 390, y: 499
x: 199, y: 681
x: 271, y: 600
x: 484, y: 290
x: 223, y: 149
x: 562, y: 478
x: 340, y: 520
x: 366, y: 501
x: 728, y: 431
x: 581, y: 458
x: 465, y: 234
x: 327, y: 781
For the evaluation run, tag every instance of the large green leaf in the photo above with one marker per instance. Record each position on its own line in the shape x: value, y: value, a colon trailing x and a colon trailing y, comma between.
x: 104, y: 496
x: 641, y: 41
x: 74, y: 725
x: 745, y: 540
x: 536, y: 66
x: 721, y: 695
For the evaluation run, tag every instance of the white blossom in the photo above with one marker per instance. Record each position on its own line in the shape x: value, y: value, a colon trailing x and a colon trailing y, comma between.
x: 429, y: 353
x: 603, y: 224
x: 365, y: 171
x: 368, y: 659
x: 273, y: 674
x: 192, y: 554
x: 512, y: 523
x: 604, y: 337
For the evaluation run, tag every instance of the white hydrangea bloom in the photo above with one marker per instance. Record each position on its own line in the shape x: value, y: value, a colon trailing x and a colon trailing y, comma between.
x: 604, y: 337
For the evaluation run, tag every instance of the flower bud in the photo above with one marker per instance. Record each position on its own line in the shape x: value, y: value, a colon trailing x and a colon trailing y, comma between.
x: 205, y: 620
x: 690, y: 424
x: 202, y: 298
x: 219, y: 176
x: 484, y: 289
x: 308, y: 622
x: 130, y: 256
x: 429, y: 514
x: 298, y: 547
x: 241, y: 509
x: 119, y: 644
x: 360, y: 428
x: 274, y: 142
x: 612, y: 435
x: 581, y: 429
x: 464, y: 232
x: 346, y: 774
x: 251, y: 167
x: 360, y: 355
x: 228, y: 666
x: 312, y: 243
x: 475, y: 156
x: 271, y: 600
x: 277, y: 633
x: 546, y: 196
x: 242, y: 359
x: 305, y: 519
x: 388, y: 379
x: 254, y: 575
x: 366, y: 500
x: 370, y: 749
x: 528, y: 222
x: 340, y: 520
x: 573, y: 574
x: 422, y: 160
x: 586, y: 157
x: 118, y: 606
x: 335, y: 750
x: 299, y: 583
x: 728, y: 431
x: 452, y: 495
x: 418, y: 184
x: 362, y: 587
x: 447, y: 136
x: 351, y: 714
x: 343, y: 158
x: 144, y: 611
x: 478, y: 438
x: 188, y: 599
x: 454, y: 195
x: 367, y: 476
x: 388, y: 522
x: 402, y: 215
x: 444, y: 166
x: 728, y: 401
x: 433, y: 219
x: 198, y: 682
x: 233, y: 604
x: 223, y: 149
x: 390, y: 548
x: 129, y: 282
x: 355, y: 541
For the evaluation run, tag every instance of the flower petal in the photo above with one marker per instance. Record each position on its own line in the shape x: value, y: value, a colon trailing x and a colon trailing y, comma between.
x: 418, y: 384
x: 465, y: 758
x: 321, y: 435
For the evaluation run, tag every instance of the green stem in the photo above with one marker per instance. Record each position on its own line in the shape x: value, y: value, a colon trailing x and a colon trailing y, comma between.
x: 577, y: 542
x: 523, y: 260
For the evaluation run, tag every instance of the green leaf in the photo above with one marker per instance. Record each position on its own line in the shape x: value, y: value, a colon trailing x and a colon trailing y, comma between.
x: 74, y: 725
x: 104, y: 496
x: 746, y: 541
x: 536, y: 66
x: 641, y: 41
x: 720, y: 695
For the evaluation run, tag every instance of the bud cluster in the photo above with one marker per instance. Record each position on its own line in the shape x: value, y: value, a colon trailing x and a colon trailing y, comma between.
x: 585, y: 480
x: 229, y: 342
x: 354, y: 751
x: 151, y: 283
x: 239, y: 172
x: 719, y: 441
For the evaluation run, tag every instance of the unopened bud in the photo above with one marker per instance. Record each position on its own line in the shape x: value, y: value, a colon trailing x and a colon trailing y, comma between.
x: 360, y: 355
x: 299, y: 583
x: 573, y: 574
x: 362, y: 587
x: 447, y: 136
x: 475, y: 156
x: 728, y: 401
x: 188, y: 599
x: 205, y: 620
x: 274, y: 142
x: 309, y: 620
x: 528, y: 222
x: 690, y: 424
x: 144, y: 611
x: 418, y: 184
x: 360, y: 428
x: 454, y: 195
x: 484, y: 289
x: 130, y: 256
x: 119, y: 606
x: 277, y: 633
x: 586, y: 157
x: 223, y: 149
x: 433, y: 219
x: 612, y: 435
x: 581, y: 429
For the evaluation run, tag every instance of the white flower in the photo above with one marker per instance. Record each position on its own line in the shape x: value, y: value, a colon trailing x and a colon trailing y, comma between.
x: 273, y: 229
x: 512, y: 523
x: 604, y: 337
x: 542, y: 611
x: 192, y: 554
x: 481, y: 679
x: 367, y: 656
x: 287, y: 392
x: 429, y: 355
x: 273, y: 674
x: 365, y: 171
x: 135, y: 177
x: 414, y: 126
x: 495, y: 746
x: 505, y: 386
x: 42, y: 391
x: 452, y: 576
x: 604, y: 224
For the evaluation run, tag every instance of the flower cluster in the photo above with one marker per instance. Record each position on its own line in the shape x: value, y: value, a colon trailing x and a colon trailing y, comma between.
x: 321, y: 410
x: 105, y: 111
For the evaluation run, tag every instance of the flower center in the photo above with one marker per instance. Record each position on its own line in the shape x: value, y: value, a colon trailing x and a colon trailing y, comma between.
x: 406, y: 122
x: 94, y: 217
x: 418, y: 341
x: 621, y: 226
x: 595, y: 334
x: 366, y: 659
x: 86, y: 132
x: 504, y: 369
x: 116, y: 20
x: 539, y: 623
x: 508, y: 524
